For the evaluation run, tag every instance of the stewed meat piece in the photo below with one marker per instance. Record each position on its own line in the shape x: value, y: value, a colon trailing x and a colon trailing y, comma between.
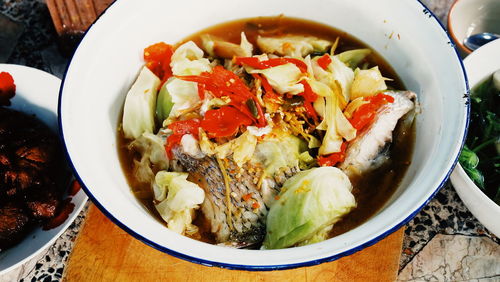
x: 32, y: 174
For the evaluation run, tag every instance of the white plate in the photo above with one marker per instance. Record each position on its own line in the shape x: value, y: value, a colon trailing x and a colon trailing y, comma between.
x: 36, y: 93
x: 479, y: 65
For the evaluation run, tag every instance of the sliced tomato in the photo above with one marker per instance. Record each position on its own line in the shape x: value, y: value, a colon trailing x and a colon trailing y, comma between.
x: 158, y: 57
x: 224, y: 122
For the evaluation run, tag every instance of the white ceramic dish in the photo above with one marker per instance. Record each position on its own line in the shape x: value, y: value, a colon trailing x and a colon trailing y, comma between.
x: 36, y: 93
x: 479, y: 65
x: 467, y: 17
x: 110, y: 56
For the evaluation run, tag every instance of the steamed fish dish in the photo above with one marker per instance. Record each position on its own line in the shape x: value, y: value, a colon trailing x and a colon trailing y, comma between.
x: 265, y: 133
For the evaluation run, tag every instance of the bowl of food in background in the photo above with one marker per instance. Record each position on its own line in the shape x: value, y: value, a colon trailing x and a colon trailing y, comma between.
x: 470, y: 17
x: 243, y: 140
x: 476, y: 178
x: 38, y: 200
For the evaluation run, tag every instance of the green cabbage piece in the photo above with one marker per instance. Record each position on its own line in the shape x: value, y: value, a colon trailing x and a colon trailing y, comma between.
x: 139, y: 108
x: 353, y: 58
x: 164, y: 104
x: 293, y: 45
x: 280, y: 152
x: 176, y: 199
x: 183, y: 95
x: 367, y: 83
x: 152, y: 150
x: 309, y: 204
x: 188, y: 60
x: 284, y: 78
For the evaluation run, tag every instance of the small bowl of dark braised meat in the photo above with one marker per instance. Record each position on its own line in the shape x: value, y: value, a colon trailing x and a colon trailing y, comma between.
x: 36, y: 205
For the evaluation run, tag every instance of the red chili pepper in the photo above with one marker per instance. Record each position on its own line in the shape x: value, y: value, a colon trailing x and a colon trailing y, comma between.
x: 7, y: 88
x: 268, y: 89
x: 254, y: 62
x: 333, y: 159
x: 366, y: 113
x: 221, y: 82
x: 309, y: 98
x: 180, y: 128
x: 224, y: 122
x: 324, y: 61
x: 158, y: 57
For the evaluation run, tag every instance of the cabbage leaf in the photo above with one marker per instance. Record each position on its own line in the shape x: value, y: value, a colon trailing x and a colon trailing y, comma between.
x: 176, y: 198
x: 297, y: 46
x: 217, y: 47
x: 280, y: 151
x: 152, y: 150
x: 188, y: 59
x: 353, y: 58
x: 283, y: 78
x: 184, y: 95
x: 140, y: 102
x: 367, y: 83
x: 309, y: 204
x: 336, y: 73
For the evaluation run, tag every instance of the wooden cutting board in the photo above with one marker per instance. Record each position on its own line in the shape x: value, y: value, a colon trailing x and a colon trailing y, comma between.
x: 103, y: 251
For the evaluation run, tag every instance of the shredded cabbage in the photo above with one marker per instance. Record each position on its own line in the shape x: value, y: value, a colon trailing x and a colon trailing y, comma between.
x: 336, y: 125
x: 177, y: 198
x: 309, y: 204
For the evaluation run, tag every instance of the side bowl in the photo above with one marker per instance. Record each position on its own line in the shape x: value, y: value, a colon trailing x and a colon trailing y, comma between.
x: 479, y: 65
x: 36, y: 93
x: 110, y: 56
x: 467, y: 17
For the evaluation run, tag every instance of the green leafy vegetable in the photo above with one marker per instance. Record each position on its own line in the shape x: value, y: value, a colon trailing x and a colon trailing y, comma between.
x: 309, y: 204
x: 480, y: 158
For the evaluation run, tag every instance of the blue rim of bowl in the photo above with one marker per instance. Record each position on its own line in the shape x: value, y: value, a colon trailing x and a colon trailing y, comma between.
x: 279, y: 266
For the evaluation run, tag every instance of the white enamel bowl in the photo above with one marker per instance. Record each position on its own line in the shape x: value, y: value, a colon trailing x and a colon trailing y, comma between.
x: 36, y: 93
x: 480, y: 65
x: 108, y: 59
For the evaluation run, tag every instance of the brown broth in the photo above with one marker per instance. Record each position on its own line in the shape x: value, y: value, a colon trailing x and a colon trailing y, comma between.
x: 372, y: 191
